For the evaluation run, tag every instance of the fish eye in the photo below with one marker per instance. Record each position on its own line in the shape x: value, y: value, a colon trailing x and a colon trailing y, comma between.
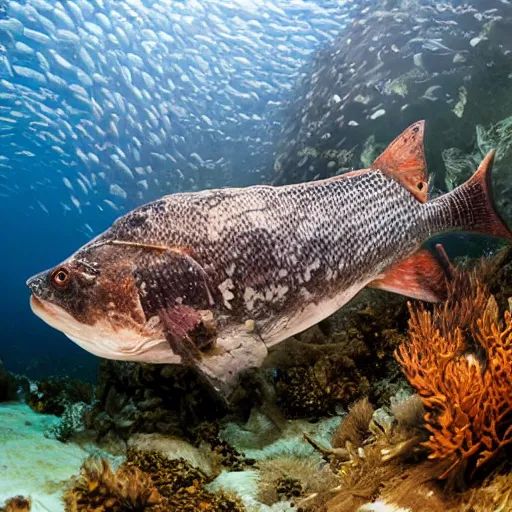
x: 61, y: 277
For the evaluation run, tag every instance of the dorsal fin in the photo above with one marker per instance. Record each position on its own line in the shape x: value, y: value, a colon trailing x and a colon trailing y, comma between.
x: 404, y: 161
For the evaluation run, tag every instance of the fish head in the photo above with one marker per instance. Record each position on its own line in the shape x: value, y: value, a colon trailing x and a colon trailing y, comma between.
x: 92, y: 297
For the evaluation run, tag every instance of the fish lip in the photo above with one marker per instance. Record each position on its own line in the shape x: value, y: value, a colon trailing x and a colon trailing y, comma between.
x: 38, y: 306
x: 132, y: 350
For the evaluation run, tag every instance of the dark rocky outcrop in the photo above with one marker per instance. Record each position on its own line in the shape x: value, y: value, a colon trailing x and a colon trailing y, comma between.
x: 11, y: 386
x: 399, y: 62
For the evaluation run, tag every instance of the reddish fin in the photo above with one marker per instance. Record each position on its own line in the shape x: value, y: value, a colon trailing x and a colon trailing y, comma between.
x: 472, y: 207
x: 189, y: 331
x: 404, y: 161
x: 420, y: 276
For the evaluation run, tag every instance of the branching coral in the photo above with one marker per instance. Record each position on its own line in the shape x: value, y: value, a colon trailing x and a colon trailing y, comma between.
x: 459, y: 359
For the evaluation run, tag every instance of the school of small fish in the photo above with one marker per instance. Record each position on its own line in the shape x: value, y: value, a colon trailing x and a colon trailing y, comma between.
x: 112, y: 103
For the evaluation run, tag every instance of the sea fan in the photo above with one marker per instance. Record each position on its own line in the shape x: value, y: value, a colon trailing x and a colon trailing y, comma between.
x: 459, y: 359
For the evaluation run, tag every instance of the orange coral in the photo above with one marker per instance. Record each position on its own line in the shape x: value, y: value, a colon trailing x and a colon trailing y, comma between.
x: 459, y: 359
x: 17, y: 504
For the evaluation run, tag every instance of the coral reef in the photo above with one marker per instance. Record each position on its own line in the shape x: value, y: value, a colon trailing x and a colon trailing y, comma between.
x: 344, y: 357
x: 99, y: 488
x: 444, y: 448
x: 146, y: 481
x: 54, y: 394
x: 312, y: 391
x: 168, y: 475
x: 321, y: 371
x: 17, y: 504
x: 387, y: 461
x: 460, y: 360
x: 143, y: 398
x: 200, y: 456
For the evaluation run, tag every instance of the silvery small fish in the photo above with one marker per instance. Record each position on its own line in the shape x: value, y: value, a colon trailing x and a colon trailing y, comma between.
x: 216, y: 278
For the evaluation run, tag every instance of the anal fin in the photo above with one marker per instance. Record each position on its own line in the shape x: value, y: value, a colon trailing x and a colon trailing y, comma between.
x: 421, y: 276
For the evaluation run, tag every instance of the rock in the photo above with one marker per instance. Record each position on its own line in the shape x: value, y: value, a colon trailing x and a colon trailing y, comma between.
x: 399, y: 62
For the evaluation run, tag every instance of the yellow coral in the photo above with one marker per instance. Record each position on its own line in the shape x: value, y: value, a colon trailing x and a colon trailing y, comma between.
x: 98, y: 488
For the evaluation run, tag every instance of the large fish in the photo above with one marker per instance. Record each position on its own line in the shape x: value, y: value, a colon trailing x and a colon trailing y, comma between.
x: 216, y: 278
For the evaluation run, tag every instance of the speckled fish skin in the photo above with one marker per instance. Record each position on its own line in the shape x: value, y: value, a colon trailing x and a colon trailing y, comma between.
x: 224, y: 274
x: 268, y: 251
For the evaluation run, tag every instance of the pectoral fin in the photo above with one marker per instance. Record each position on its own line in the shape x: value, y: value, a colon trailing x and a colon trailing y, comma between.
x: 421, y: 276
x: 188, y: 331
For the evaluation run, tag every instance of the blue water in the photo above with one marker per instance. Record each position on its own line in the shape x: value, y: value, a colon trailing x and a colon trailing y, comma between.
x: 223, y: 72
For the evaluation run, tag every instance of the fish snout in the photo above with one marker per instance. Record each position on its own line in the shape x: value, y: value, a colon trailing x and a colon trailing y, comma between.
x: 38, y: 284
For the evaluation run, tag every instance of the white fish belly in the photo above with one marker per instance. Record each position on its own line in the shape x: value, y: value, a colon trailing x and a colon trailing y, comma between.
x: 310, y: 315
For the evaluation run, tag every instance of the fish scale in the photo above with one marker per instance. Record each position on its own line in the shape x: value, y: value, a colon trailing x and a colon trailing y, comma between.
x: 310, y: 231
x: 215, y: 278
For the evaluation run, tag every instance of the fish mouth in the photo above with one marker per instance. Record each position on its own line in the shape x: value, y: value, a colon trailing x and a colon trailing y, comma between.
x: 102, y: 340
x: 46, y: 311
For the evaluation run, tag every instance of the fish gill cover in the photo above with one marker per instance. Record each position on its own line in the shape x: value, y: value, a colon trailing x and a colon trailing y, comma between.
x: 105, y: 105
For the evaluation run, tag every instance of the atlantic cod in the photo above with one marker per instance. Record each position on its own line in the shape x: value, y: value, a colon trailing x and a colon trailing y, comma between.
x: 215, y: 278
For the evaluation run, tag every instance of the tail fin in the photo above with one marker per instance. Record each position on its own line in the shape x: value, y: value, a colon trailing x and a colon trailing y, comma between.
x: 471, y: 205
